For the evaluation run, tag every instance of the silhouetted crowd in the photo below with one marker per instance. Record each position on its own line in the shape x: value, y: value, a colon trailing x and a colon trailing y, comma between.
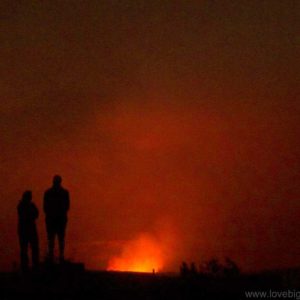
x: 56, y: 205
x: 212, y: 268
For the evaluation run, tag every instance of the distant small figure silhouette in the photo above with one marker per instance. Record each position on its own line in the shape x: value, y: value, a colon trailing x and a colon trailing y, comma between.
x: 56, y: 206
x: 193, y: 269
x: 28, y: 213
x: 231, y: 268
x: 184, y: 269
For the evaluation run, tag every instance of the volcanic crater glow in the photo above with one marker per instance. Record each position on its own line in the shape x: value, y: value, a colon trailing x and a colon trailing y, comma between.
x: 140, y: 255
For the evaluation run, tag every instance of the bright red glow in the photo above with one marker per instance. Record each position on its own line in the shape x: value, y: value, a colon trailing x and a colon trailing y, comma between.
x: 140, y: 255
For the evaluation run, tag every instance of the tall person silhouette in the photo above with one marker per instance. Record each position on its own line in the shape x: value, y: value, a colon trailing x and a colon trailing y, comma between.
x: 56, y: 206
x: 28, y: 213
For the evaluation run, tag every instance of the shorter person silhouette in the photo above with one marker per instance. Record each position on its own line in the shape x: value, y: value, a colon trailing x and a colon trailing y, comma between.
x: 28, y: 213
x: 56, y: 206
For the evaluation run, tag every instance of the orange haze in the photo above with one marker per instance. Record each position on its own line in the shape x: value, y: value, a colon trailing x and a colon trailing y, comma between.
x: 181, y: 113
x: 143, y: 254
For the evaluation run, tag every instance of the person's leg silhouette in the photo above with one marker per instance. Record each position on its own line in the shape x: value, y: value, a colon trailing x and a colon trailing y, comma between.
x: 61, y: 242
x: 35, y: 251
x: 24, y: 253
x: 51, y: 238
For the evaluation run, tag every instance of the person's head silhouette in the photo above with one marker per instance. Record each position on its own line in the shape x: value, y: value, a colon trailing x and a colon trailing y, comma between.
x: 57, y: 181
x: 27, y: 196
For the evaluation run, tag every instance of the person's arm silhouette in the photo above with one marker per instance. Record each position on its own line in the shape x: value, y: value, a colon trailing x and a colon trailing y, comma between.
x: 35, y: 212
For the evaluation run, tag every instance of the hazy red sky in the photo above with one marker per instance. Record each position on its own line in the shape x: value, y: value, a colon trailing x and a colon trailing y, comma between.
x: 178, y: 120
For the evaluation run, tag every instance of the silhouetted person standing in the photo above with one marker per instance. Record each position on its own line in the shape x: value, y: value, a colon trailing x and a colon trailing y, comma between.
x: 56, y: 206
x: 28, y: 213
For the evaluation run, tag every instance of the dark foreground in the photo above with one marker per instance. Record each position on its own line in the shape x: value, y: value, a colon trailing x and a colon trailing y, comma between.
x: 75, y: 283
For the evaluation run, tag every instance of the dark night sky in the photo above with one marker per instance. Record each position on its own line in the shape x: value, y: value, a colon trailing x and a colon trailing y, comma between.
x: 178, y: 120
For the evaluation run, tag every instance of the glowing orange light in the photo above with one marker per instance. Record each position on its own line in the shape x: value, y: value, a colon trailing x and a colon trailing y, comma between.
x: 140, y: 255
